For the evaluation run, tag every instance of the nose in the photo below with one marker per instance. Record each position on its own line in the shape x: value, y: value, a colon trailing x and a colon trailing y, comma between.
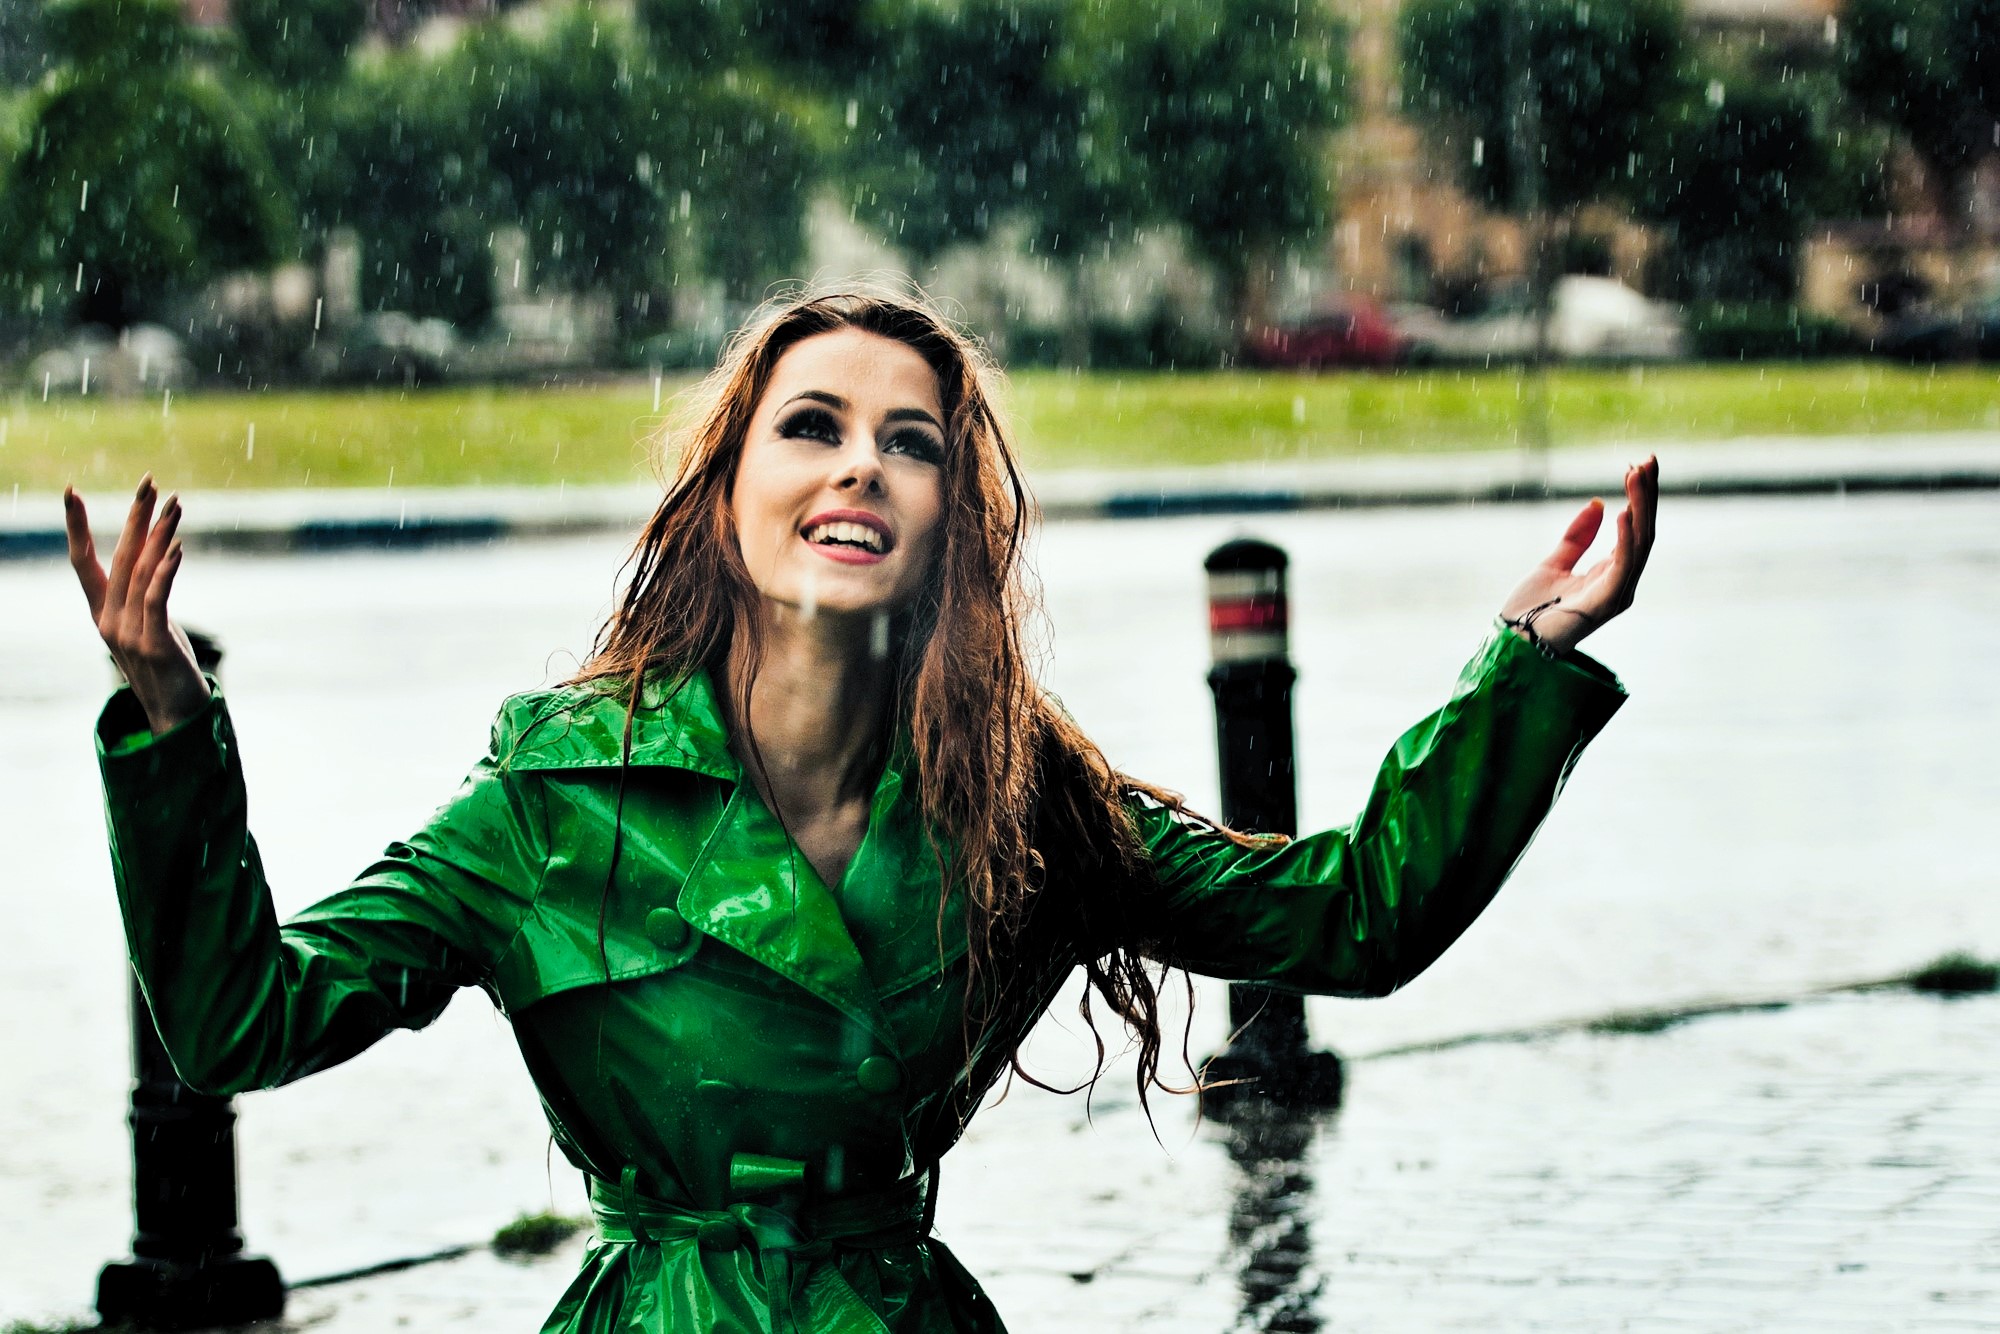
x: 858, y: 469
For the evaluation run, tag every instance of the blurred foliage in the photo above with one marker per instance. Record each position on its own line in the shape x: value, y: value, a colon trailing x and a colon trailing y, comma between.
x: 730, y: 141
x: 1742, y: 164
x: 1545, y: 103
x: 535, y: 1234
x: 404, y: 172
x: 298, y: 43
x: 1226, y: 104
x: 979, y: 123
x: 650, y: 150
x: 1767, y: 331
x: 137, y: 174
x: 1957, y: 974
x: 552, y: 122
x: 1931, y: 70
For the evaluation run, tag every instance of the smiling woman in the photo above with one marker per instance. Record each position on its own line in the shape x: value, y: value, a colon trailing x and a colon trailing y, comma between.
x: 774, y: 890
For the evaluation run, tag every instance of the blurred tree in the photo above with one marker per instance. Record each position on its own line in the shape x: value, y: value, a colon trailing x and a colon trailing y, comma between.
x: 833, y: 43
x: 1744, y: 165
x: 733, y: 109
x: 299, y: 43
x: 406, y: 171
x: 1931, y: 70
x: 980, y: 122
x: 138, y: 176
x: 1225, y: 105
x: 558, y: 120
x: 1544, y: 104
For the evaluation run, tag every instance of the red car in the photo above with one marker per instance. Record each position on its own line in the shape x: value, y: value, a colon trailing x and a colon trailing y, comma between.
x: 1356, y: 332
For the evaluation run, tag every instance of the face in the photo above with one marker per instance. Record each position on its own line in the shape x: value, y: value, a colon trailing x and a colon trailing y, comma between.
x: 840, y: 486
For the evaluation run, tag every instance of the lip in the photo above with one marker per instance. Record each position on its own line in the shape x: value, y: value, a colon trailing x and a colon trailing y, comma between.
x: 850, y: 555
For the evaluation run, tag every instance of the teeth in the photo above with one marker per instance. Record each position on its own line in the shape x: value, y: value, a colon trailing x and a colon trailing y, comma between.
x: 852, y: 534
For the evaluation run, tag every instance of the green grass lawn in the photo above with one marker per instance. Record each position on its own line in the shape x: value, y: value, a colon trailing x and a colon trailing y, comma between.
x: 608, y: 433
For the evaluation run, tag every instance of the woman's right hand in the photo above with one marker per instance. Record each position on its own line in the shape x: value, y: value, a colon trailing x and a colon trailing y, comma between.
x: 129, y: 605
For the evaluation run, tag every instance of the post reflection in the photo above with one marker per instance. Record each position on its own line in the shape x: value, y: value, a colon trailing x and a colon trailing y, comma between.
x: 1270, y: 1231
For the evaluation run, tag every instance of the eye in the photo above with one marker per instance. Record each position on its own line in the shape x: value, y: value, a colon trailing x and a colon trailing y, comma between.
x: 920, y: 445
x: 811, y: 424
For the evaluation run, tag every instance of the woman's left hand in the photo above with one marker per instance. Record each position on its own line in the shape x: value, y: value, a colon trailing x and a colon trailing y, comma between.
x: 1573, y: 604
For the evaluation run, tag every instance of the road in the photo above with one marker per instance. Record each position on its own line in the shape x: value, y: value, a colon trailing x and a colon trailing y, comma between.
x: 1796, y: 794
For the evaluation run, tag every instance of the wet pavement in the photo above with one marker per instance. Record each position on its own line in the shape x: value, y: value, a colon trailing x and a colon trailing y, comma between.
x: 1793, y: 797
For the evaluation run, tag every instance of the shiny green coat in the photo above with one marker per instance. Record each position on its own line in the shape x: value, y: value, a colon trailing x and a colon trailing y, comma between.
x: 755, y: 1069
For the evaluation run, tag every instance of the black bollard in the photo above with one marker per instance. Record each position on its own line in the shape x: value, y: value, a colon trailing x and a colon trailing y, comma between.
x: 1270, y: 1220
x: 1269, y: 1057
x: 188, y: 1269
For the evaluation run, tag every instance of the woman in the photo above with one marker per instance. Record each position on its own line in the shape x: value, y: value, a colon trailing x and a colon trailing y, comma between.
x: 774, y: 890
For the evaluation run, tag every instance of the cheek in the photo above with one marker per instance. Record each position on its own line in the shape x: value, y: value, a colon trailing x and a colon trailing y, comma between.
x: 931, y: 523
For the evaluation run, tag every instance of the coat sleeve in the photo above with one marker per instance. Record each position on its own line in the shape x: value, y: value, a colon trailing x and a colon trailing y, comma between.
x: 1359, y: 911
x: 242, y: 1002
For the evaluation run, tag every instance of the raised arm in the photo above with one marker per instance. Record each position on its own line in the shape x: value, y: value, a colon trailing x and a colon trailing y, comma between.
x: 1363, y: 909
x: 241, y: 1002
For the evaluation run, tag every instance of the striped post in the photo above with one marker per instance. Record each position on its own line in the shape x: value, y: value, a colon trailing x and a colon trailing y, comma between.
x: 1251, y: 676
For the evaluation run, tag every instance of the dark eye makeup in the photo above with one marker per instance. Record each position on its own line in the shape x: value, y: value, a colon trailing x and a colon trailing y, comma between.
x: 819, y: 424
x: 918, y: 445
x: 811, y: 424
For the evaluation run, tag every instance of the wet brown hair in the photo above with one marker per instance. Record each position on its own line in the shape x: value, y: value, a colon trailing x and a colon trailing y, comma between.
x: 1016, y: 798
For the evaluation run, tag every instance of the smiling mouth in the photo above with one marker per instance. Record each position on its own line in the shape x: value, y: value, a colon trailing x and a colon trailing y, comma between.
x: 849, y: 536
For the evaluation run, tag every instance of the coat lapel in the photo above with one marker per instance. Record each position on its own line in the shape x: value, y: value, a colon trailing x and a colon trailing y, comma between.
x: 752, y: 891
x: 749, y: 887
x: 890, y: 894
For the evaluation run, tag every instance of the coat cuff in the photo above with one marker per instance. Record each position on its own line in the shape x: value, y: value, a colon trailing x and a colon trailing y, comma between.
x: 131, y: 756
x: 1574, y: 670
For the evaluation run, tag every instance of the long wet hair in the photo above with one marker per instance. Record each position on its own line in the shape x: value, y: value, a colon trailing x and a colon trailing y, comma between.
x: 1010, y: 790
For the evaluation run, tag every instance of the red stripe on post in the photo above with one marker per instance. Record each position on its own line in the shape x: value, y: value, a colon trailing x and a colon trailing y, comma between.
x: 1266, y: 613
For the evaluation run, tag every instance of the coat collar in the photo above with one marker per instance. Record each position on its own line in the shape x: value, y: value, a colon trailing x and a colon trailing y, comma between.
x: 583, y: 727
x: 749, y: 887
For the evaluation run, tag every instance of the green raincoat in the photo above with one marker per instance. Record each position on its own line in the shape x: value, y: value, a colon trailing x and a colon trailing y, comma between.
x: 758, y: 1072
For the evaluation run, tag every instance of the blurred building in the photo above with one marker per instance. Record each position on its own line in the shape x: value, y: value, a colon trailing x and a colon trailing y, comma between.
x: 1405, y: 231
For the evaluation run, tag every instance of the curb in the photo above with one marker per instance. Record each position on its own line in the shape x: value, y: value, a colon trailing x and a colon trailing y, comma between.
x: 361, y: 520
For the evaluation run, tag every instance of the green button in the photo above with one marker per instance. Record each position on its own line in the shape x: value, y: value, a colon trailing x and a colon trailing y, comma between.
x: 878, y: 1074
x: 667, y: 928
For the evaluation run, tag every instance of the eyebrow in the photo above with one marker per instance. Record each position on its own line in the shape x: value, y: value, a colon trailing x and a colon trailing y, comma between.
x: 838, y: 403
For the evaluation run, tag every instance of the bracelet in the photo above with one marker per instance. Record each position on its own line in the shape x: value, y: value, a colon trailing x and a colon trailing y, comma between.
x: 1525, y: 623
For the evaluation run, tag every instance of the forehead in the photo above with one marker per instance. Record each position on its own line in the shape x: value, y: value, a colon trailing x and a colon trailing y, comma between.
x: 866, y: 369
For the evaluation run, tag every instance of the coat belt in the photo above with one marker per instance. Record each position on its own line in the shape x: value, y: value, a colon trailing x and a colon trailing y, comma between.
x: 897, y: 1215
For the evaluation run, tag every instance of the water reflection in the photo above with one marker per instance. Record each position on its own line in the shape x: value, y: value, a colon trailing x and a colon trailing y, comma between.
x: 1270, y: 1235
